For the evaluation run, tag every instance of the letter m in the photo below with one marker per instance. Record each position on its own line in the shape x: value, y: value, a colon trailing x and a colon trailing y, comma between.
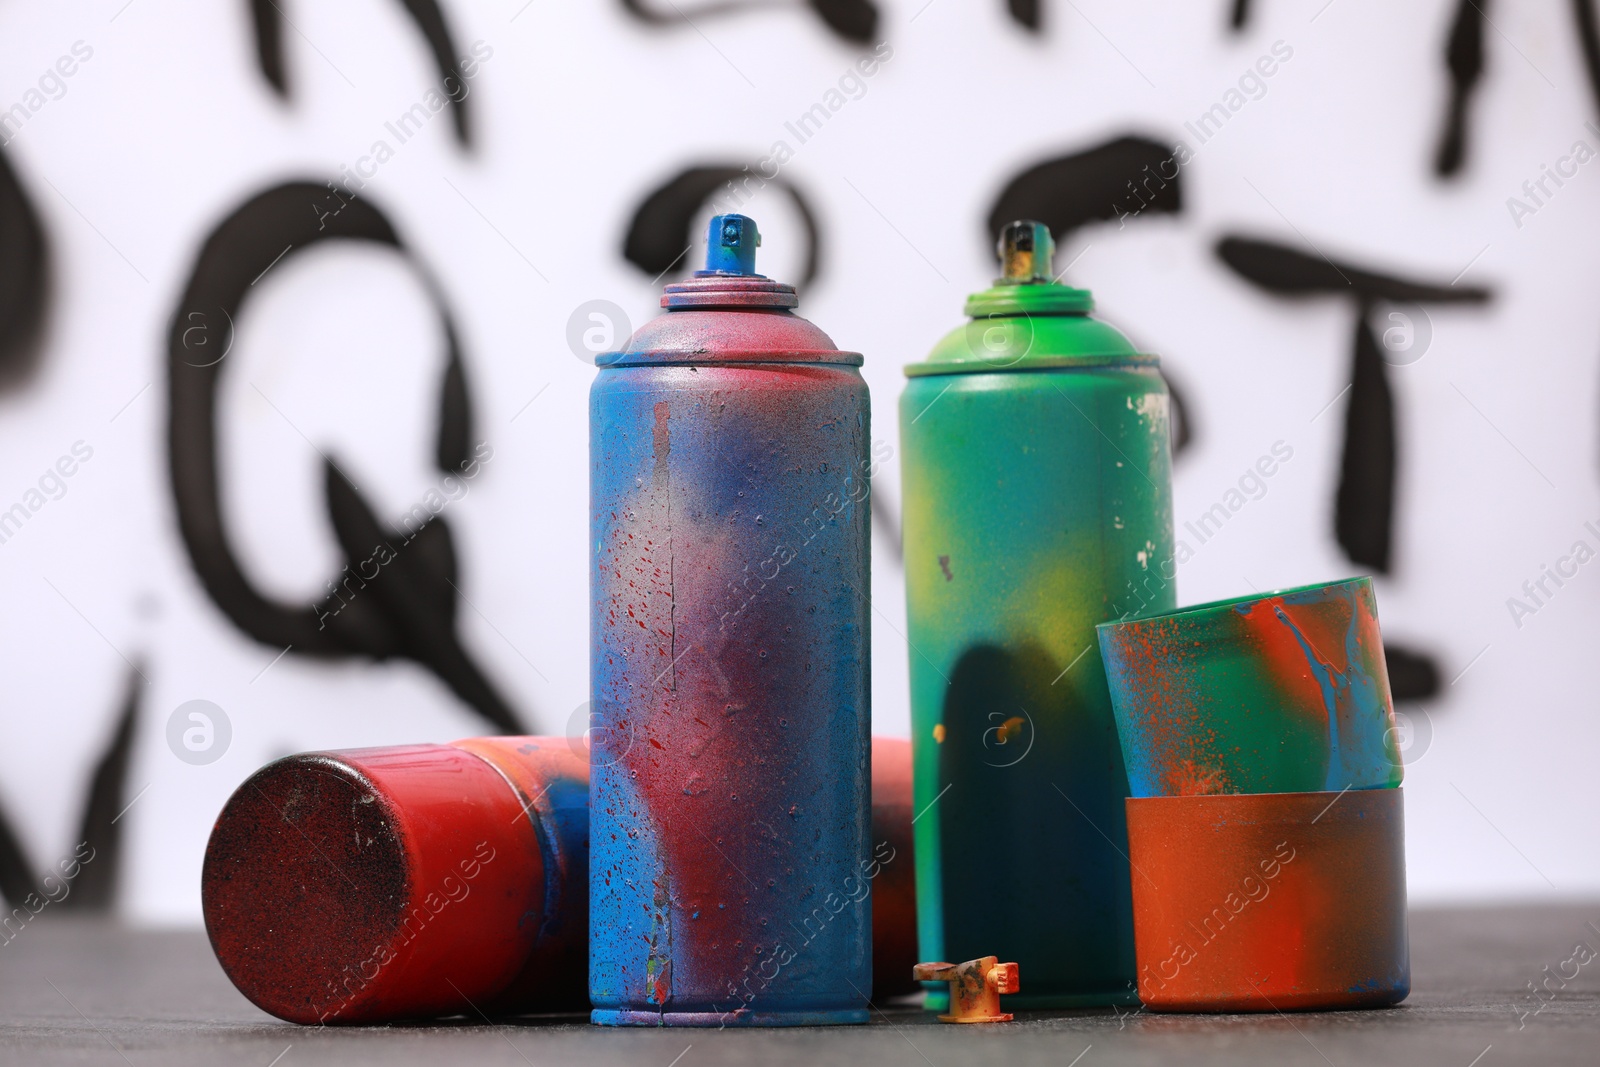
x: 414, y: 520
x: 405, y: 926
x: 1219, y: 113
x: 413, y: 120
x: 821, y: 921
x: 11, y: 521
x: 1219, y: 514
x: 18, y: 916
x: 812, y: 120
x: 18, y: 115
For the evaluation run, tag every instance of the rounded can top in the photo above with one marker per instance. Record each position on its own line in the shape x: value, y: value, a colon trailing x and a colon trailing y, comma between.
x: 1028, y: 320
x: 727, y: 313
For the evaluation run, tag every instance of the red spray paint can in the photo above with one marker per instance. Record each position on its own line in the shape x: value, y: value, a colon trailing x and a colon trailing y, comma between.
x: 370, y: 885
x: 387, y: 883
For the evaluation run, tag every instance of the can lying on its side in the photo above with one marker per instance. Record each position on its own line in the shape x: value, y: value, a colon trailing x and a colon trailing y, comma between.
x: 378, y: 884
x: 894, y: 887
x: 419, y: 880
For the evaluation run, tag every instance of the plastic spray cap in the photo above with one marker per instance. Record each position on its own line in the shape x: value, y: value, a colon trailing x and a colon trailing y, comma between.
x: 1026, y: 248
x: 731, y: 245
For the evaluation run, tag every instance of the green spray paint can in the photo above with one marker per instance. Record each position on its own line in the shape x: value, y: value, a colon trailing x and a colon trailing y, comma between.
x: 1036, y: 460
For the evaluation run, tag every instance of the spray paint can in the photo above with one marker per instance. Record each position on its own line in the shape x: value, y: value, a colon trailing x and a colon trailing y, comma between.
x: 469, y: 881
x: 376, y: 884
x: 731, y: 864
x: 1037, y: 479
x: 894, y: 886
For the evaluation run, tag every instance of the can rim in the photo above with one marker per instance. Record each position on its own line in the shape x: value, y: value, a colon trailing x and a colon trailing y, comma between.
x: 1268, y: 799
x: 1236, y: 601
x: 672, y: 358
x: 1040, y: 363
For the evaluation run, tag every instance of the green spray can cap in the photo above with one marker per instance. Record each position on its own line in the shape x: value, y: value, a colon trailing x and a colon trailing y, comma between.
x: 1028, y: 320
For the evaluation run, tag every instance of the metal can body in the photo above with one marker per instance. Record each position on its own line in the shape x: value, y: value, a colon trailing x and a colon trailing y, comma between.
x: 1024, y: 527
x: 1271, y: 901
x: 1283, y: 692
x: 730, y: 803
x: 371, y: 885
x: 894, y: 886
x: 1037, y: 504
x: 473, y: 890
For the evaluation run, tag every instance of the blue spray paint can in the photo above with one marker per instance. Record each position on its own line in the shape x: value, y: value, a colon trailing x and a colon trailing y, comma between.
x: 731, y: 863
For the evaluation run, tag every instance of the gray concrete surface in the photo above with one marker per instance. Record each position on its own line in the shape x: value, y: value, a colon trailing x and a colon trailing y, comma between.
x: 74, y: 992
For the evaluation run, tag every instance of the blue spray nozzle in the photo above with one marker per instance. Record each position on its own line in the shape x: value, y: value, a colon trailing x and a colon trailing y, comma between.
x: 731, y: 245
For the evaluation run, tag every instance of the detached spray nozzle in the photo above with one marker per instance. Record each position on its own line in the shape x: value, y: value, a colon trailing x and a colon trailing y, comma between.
x: 1026, y: 248
x: 975, y: 988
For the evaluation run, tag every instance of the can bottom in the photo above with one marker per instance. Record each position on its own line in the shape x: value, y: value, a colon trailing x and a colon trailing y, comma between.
x: 741, y: 1017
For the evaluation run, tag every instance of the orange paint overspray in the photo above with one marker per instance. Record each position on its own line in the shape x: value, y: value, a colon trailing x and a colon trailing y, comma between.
x: 1270, y: 901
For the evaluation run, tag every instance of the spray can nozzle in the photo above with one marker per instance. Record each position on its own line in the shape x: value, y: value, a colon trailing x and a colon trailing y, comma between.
x: 1026, y: 248
x: 731, y: 245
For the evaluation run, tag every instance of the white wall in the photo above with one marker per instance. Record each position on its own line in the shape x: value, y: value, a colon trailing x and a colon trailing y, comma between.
x: 581, y: 111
